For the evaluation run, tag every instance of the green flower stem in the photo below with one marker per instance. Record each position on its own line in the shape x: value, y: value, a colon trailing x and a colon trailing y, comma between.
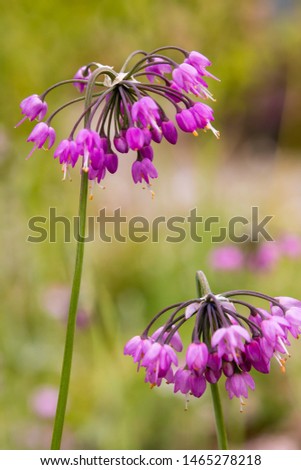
x: 203, y: 289
x: 68, y: 352
x: 219, y: 419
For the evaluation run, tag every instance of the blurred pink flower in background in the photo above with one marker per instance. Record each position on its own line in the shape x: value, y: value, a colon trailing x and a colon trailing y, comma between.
x: 264, y: 258
x: 55, y: 300
x: 43, y: 401
x: 226, y: 258
x: 290, y: 245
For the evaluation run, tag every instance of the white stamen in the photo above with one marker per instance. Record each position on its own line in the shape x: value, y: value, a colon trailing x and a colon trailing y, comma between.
x: 155, y: 125
x: 283, y: 346
x: 186, y: 402
x: 86, y: 161
x: 280, y: 361
x: 206, y: 93
x: 242, y: 404
x: 65, y: 171
x: 212, y: 129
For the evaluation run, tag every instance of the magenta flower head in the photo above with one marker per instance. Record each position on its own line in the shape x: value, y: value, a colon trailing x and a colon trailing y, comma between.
x: 229, y: 340
x: 189, y: 382
x: 143, y: 170
x: 82, y: 75
x: 158, y: 361
x: 199, y: 62
x: 186, y: 78
x: 67, y: 152
x: 135, y: 138
x: 137, y: 347
x: 197, y: 357
x: 121, y: 144
x: 39, y: 135
x: 33, y: 107
x: 170, y: 132
x: 127, y: 111
x: 146, y: 112
x: 230, y: 337
x: 186, y: 121
x: 237, y: 386
x: 156, y: 69
x: 182, y: 381
x: 175, y: 341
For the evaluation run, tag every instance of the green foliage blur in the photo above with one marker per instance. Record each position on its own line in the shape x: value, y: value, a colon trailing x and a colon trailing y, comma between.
x: 255, y: 51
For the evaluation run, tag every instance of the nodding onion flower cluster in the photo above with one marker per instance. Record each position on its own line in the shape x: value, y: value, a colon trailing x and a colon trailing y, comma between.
x: 123, y: 111
x: 224, y: 342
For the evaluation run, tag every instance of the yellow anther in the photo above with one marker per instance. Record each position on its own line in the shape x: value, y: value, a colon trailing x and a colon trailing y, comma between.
x: 195, y: 133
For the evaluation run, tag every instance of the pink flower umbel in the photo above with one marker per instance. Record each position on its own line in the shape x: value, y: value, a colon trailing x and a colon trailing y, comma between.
x: 259, y: 257
x: 225, y: 341
x: 127, y: 111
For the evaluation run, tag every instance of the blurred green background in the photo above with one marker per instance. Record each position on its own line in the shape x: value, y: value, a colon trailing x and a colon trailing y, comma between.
x: 255, y: 50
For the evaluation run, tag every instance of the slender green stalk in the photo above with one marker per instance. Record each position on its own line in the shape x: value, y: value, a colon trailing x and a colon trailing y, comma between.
x: 82, y: 210
x: 203, y: 288
x: 68, y: 352
x: 219, y: 419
